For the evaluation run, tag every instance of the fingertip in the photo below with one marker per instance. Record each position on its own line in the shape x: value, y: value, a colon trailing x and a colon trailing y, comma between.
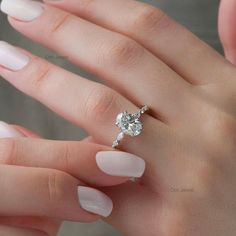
x: 95, y: 201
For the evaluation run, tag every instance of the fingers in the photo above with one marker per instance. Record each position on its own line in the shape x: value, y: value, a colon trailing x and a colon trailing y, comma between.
x: 199, y: 64
x: 15, y: 231
x: 82, y: 158
x: 51, y: 193
x: 81, y: 101
x: 226, y: 28
x: 119, y: 60
x: 79, y: 159
x: 48, y: 225
x: 109, y: 167
x: 75, y: 158
x: 88, y: 104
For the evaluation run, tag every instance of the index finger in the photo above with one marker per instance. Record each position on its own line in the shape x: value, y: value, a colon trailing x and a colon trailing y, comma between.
x: 92, y: 163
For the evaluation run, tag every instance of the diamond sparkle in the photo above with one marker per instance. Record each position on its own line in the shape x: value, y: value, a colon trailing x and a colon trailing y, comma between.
x: 129, y: 124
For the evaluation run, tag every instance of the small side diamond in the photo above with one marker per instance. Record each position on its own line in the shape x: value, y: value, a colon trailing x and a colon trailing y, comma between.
x: 144, y: 109
x: 120, y: 136
x: 115, y: 144
x: 129, y: 124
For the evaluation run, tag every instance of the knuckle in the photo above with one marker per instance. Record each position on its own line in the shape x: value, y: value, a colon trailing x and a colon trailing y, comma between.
x: 208, y: 177
x: 85, y: 5
x: 55, y: 192
x: 36, y: 75
x: 122, y: 52
x: 60, y: 22
x: 63, y: 159
x: 228, y: 129
x: 100, y: 101
x: 205, y: 174
x: 41, y: 77
x: 222, y: 130
x: 8, y: 152
x: 149, y: 17
x: 176, y: 219
x: 56, y: 181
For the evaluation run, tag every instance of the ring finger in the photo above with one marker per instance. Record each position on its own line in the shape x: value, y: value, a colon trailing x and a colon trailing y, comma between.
x: 88, y: 104
x: 76, y: 158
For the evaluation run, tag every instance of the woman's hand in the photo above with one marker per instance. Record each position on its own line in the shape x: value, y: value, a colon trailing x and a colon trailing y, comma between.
x: 25, y: 225
x: 188, y: 141
x: 43, y: 182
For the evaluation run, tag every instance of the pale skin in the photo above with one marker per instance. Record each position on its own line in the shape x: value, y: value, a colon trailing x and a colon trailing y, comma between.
x: 188, y: 141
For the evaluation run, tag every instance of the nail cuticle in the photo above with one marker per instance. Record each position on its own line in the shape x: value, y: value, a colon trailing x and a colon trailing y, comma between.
x: 22, y: 10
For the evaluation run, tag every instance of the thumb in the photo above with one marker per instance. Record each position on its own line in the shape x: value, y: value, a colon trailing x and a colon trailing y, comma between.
x: 227, y: 28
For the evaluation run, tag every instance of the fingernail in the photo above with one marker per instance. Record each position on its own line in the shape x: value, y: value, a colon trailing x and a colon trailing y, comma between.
x: 7, y: 131
x: 24, y: 10
x: 11, y: 58
x: 120, y: 164
x: 94, y: 201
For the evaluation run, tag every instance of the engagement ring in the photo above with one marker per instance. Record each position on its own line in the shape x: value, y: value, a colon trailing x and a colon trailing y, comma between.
x: 129, y: 124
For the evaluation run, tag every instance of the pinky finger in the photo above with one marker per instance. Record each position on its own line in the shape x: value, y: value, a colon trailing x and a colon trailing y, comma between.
x: 16, y: 231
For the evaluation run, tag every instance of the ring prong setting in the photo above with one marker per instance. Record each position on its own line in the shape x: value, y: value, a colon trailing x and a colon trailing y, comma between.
x: 129, y: 124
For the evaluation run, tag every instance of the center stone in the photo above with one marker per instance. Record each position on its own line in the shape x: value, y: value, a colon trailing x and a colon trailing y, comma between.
x: 129, y: 123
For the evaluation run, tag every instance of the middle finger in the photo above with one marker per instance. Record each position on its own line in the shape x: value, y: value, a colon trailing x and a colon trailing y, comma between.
x: 86, y: 103
x: 76, y: 158
x: 116, y: 58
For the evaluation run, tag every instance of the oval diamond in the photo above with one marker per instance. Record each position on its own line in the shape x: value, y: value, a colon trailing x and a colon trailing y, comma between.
x: 129, y: 124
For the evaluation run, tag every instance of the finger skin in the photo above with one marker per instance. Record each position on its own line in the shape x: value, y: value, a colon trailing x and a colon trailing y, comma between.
x: 41, y: 192
x: 87, y: 104
x: 51, y: 226
x: 227, y: 29
x: 157, y: 32
x: 76, y: 158
x: 15, y: 231
x: 48, y: 225
x: 90, y: 105
x: 134, y: 203
x: 116, y: 58
x: 26, y: 132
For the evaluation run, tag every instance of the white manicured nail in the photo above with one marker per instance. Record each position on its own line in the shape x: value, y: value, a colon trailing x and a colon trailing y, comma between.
x: 7, y: 131
x: 11, y: 58
x: 23, y: 10
x: 94, y: 201
x: 120, y: 164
